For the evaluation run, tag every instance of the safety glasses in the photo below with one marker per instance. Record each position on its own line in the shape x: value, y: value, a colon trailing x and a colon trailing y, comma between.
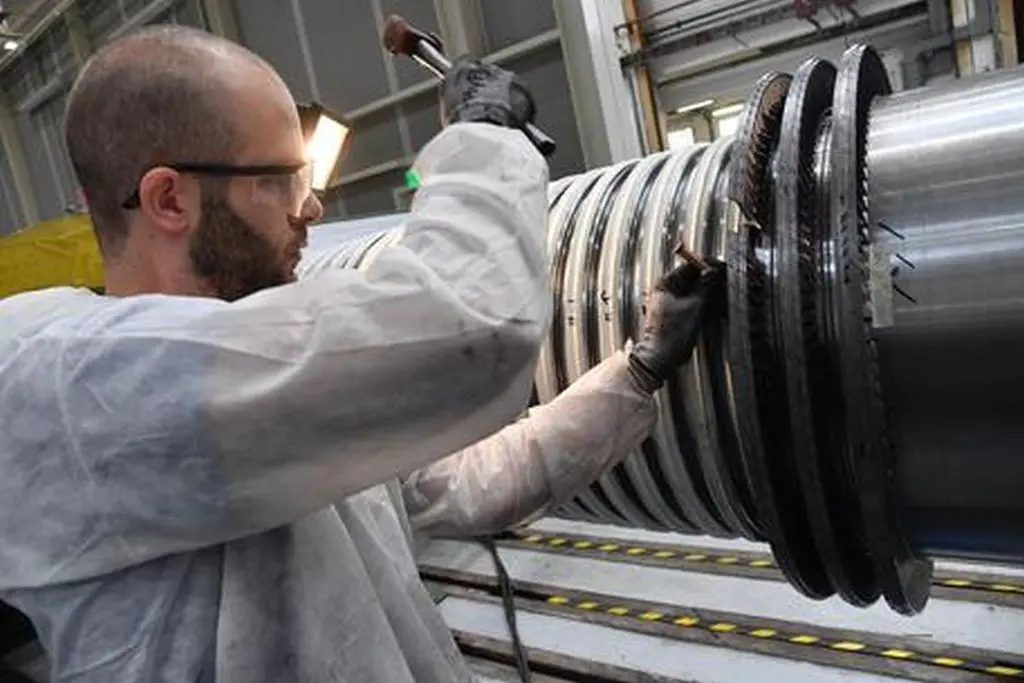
x: 275, y: 186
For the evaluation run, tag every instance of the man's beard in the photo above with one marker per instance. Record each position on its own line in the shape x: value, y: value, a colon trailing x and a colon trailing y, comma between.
x: 232, y: 258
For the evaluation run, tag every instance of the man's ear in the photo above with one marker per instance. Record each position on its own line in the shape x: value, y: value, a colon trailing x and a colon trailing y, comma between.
x: 169, y: 200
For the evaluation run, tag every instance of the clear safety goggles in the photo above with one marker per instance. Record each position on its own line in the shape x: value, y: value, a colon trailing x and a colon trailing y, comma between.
x: 284, y: 187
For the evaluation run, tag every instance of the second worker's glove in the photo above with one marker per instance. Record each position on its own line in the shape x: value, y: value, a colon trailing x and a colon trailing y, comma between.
x: 674, y: 314
x: 478, y: 92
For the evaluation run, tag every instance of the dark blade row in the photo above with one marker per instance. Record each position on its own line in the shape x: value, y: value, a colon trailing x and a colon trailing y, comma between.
x: 775, y: 430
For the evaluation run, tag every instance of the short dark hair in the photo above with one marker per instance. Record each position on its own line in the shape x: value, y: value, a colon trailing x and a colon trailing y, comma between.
x: 144, y: 100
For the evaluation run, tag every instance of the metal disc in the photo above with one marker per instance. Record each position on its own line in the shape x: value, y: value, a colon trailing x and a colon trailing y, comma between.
x: 698, y: 394
x: 365, y: 254
x: 577, y: 304
x: 726, y: 218
x: 675, y: 454
x: 639, y: 472
x: 811, y: 386
x: 624, y: 221
x: 757, y: 135
x: 556, y: 190
x: 642, y: 473
x: 559, y: 222
x: 569, y: 195
x: 755, y: 361
x: 905, y: 578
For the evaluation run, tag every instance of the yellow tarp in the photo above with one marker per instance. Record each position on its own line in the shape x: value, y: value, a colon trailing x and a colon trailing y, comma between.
x: 62, y: 251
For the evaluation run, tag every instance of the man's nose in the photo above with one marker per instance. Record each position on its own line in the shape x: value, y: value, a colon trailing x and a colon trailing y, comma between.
x: 312, y: 209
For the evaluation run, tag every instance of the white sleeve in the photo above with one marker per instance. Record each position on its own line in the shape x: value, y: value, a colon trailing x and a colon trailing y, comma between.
x: 179, y: 422
x: 529, y: 468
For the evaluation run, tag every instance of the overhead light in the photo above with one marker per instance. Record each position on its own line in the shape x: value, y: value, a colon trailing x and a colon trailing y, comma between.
x: 703, y: 104
x: 327, y: 139
x: 10, y: 45
x: 728, y: 111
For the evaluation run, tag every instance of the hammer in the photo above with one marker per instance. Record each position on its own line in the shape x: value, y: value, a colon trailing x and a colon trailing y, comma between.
x: 401, y: 38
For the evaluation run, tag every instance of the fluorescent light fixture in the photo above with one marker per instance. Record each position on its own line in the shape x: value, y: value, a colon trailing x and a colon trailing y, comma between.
x: 731, y: 110
x: 695, y: 106
x: 327, y: 138
x: 10, y: 45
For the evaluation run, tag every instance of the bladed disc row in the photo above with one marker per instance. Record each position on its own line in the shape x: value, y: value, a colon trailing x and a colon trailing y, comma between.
x: 611, y: 236
x: 774, y: 430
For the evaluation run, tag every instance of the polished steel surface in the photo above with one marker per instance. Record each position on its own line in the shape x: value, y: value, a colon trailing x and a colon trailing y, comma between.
x: 946, y: 185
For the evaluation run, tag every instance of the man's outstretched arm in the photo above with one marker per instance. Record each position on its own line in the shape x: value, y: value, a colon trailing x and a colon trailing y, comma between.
x: 155, y: 424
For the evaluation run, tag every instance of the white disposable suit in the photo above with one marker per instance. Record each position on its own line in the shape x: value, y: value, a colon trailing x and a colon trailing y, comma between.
x: 195, y: 490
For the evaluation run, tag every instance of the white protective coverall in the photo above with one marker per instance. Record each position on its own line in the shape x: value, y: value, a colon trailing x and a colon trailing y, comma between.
x: 194, y: 490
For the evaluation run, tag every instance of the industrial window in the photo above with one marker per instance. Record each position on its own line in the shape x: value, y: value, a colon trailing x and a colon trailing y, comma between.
x: 681, y: 138
x: 726, y: 119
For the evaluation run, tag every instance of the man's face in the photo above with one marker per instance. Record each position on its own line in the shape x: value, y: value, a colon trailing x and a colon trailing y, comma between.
x: 251, y: 229
x: 237, y: 258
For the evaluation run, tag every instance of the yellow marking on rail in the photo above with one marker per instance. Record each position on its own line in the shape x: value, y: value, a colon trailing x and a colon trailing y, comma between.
x: 948, y: 661
x: 1004, y: 671
x: 805, y: 640
x: 760, y: 563
x: 764, y: 633
x: 1006, y: 588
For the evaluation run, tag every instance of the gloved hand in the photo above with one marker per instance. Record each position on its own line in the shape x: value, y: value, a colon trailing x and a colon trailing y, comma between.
x: 474, y: 91
x: 674, y: 314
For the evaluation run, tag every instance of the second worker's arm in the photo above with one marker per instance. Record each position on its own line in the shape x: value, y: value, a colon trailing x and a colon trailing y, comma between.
x: 538, y: 463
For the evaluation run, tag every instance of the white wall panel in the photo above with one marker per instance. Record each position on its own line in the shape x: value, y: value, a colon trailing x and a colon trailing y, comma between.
x: 344, y: 38
x: 40, y: 166
x: 269, y: 28
x: 10, y: 209
x: 101, y: 18
x: 508, y: 22
x: 188, y: 13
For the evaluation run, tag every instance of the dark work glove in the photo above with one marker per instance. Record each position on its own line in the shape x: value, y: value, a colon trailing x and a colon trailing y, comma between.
x: 474, y: 91
x: 674, y: 314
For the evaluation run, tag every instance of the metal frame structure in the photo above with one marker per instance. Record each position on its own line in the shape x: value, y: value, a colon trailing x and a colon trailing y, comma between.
x: 609, y: 124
